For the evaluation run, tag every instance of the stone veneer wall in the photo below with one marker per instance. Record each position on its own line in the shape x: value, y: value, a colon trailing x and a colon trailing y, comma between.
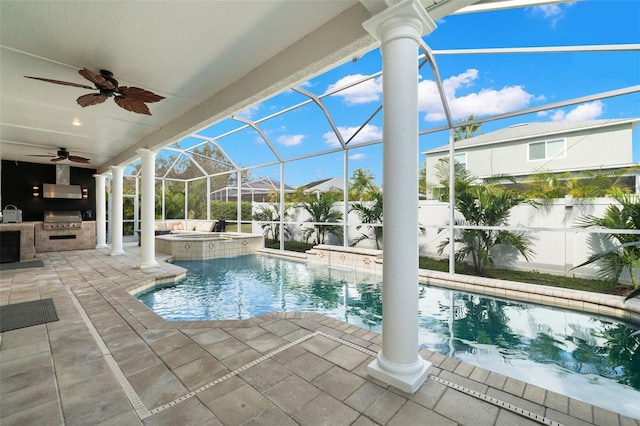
x: 219, y: 245
x: 27, y: 246
x: 360, y: 259
x: 85, y: 238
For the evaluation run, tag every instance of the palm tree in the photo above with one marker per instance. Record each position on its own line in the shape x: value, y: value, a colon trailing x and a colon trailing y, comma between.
x: 466, y: 132
x: 587, y: 184
x: 422, y: 182
x: 625, y: 254
x: 361, y: 185
x: 463, y: 178
x: 486, y: 205
x: 320, y: 211
x: 369, y: 212
x: 269, y: 214
x: 544, y: 185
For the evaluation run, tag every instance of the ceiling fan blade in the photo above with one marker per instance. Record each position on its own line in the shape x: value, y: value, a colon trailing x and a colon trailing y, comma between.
x: 133, y: 105
x: 97, y: 79
x: 77, y: 159
x: 64, y: 83
x: 140, y: 94
x: 91, y: 99
x: 56, y: 159
x: 40, y: 155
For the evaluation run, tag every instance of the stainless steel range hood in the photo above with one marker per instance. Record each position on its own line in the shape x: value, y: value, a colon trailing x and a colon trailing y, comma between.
x: 62, y: 189
x: 53, y: 190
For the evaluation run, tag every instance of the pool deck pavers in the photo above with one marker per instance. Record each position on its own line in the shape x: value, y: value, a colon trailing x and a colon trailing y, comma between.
x: 111, y: 361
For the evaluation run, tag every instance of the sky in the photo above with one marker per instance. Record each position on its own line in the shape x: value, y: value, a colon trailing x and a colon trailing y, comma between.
x: 480, y: 85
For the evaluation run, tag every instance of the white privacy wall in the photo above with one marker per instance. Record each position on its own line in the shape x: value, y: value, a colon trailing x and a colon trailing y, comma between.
x: 559, y: 244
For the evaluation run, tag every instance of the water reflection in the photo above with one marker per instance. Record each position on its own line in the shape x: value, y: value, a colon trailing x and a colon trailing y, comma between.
x: 569, y: 352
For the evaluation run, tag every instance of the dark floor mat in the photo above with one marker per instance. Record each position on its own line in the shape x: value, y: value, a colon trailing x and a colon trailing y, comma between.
x: 19, y: 315
x: 21, y: 265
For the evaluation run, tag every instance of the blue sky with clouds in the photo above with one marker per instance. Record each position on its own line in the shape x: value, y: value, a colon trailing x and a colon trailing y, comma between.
x: 482, y: 85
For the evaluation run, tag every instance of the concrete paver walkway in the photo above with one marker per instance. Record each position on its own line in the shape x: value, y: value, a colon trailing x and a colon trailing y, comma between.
x: 109, y: 360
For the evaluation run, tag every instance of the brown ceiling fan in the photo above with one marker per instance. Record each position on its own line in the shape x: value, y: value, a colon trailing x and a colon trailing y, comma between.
x: 63, y: 154
x: 132, y: 99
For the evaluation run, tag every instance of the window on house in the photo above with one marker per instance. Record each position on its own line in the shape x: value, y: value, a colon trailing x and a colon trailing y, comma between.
x: 546, y: 149
x: 461, y: 159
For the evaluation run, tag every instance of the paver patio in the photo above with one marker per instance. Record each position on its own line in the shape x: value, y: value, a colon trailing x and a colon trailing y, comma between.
x: 110, y: 360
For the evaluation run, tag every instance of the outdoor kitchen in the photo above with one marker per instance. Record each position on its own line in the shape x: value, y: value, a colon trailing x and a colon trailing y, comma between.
x: 45, y: 208
x: 64, y: 230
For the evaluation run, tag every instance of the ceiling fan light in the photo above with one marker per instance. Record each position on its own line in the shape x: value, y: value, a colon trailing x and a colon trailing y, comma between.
x: 76, y: 122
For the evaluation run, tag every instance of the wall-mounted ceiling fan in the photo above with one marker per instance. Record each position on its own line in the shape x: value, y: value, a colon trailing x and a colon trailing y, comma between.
x: 63, y: 154
x: 132, y: 99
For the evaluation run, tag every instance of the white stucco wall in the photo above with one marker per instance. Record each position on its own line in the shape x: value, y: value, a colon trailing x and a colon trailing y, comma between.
x: 557, y: 250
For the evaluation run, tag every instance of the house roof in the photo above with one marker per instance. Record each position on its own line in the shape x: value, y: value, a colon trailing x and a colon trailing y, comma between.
x: 263, y: 185
x: 324, y: 185
x: 533, y: 130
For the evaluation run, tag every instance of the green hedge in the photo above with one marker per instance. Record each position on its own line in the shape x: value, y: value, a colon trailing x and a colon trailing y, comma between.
x: 229, y: 210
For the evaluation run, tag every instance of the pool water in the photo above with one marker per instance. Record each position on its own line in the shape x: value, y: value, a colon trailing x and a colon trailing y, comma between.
x: 592, y: 359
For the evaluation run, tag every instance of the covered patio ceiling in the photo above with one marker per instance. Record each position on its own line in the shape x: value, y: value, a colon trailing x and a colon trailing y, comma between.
x: 209, y: 59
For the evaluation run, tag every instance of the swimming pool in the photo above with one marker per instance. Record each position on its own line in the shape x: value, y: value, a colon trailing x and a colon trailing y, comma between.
x: 571, y: 353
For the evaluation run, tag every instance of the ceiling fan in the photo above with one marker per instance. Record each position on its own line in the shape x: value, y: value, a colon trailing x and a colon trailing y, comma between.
x: 132, y: 99
x: 63, y: 154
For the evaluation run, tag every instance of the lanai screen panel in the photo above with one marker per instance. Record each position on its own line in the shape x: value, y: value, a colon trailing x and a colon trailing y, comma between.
x: 299, y: 172
x: 300, y: 132
x: 197, y: 199
x: 275, y: 105
x: 369, y: 160
x: 246, y: 147
x: 210, y: 158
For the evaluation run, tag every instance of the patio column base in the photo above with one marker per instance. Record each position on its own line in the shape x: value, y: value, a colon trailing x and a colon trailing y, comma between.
x: 117, y: 252
x: 407, y: 378
x: 149, y: 264
x: 101, y: 246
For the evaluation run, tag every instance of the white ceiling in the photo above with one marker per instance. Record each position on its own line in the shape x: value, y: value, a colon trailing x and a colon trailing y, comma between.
x: 210, y: 59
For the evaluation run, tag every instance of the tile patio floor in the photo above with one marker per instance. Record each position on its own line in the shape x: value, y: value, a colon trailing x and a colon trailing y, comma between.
x: 109, y: 360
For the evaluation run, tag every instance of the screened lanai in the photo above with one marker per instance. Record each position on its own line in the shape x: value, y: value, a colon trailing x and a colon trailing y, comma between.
x: 426, y: 87
x: 474, y: 135
x: 331, y: 125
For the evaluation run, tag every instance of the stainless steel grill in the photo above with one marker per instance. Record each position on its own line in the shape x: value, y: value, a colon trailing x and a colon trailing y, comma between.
x: 62, y: 219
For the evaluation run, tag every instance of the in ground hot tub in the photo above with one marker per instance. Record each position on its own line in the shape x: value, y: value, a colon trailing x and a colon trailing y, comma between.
x: 205, y: 245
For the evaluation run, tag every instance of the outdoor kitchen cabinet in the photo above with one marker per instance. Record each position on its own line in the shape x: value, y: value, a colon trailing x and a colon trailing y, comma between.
x: 80, y: 238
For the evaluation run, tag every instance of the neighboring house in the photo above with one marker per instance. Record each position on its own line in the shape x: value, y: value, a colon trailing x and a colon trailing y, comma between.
x: 324, y: 185
x: 257, y: 190
x: 550, y: 147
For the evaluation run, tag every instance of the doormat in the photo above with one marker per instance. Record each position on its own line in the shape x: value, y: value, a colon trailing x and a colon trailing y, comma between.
x: 21, y: 265
x: 26, y: 314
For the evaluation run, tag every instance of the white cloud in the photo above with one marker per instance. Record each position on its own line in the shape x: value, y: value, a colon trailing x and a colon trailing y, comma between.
x: 290, y: 140
x: 369, y: 132
x: 582, y: 112
x: 482, y: 102
x: 249, y: 113
x: 551, y: 12
x: 356, y: 157
x: 362, y: 93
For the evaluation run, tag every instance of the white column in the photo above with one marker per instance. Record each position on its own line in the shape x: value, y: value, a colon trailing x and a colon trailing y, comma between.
x: 147, y: 215
x: 399, y: 28
x: 101, y: 212
x: 281, y: 224
x: 116, y: 210
x: 239, y: 200
x: 345, y: 192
